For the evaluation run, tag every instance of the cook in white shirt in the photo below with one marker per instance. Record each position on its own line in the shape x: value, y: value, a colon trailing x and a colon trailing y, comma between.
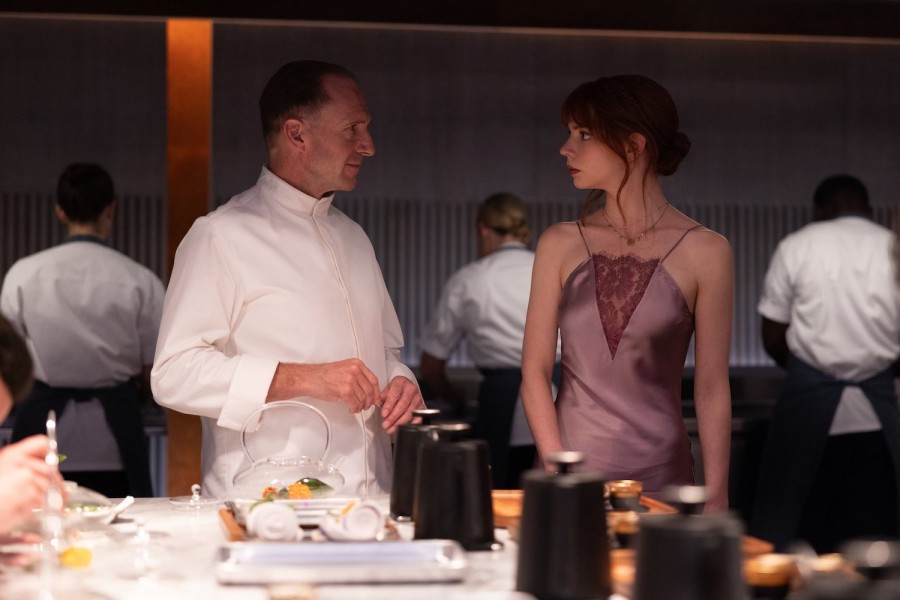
x: 277, y: 295
x: 485, y: 303
x: 90, y: 316
x: 831, y: 316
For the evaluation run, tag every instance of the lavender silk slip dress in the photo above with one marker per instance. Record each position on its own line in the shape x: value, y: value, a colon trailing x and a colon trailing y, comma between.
x: 625, y: 329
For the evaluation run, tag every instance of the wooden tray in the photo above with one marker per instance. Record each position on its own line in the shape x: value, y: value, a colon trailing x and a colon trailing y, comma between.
x: 754, y: 546
x: 233, y: 531
x: 507, y: 505
x: 622, y: 562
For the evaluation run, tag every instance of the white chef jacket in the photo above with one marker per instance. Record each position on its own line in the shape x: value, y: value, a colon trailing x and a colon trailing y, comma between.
x: 90, y: 316
x: 276, y: 276
x: 834, y: 283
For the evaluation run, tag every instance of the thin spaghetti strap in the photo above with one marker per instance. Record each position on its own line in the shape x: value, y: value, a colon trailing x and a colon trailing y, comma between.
x: 586, y: 247
x: 678, y: 242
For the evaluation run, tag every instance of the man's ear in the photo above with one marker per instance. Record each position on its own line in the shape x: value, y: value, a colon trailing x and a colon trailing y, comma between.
x: 61, y: 214
x: 294, y: 131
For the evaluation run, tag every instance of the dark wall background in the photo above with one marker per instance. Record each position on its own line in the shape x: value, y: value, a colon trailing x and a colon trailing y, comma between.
x: 459, y: 112
x: 82, y: 90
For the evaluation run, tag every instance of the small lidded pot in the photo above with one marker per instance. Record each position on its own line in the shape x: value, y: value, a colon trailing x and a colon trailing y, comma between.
x: 625, y: 494
x: 865, y: 570
x: 770, y: 576
x: 623, y: 527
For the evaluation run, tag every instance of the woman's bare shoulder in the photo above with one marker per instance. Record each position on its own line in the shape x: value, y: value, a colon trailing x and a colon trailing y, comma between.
x: 700, y: 238
x: 709, y: 253
x: 704, y: 235
x: 559, y: 233
x: 562, y: 228
x: 703, y: 239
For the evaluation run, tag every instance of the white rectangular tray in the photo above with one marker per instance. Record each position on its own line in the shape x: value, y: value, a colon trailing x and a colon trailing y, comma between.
x: 342, y: 562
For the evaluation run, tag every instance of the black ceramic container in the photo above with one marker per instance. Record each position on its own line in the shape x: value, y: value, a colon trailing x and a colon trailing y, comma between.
x: 689, y: 556
x: 406, y: 463
x: 563, y: 541
x: 453, y: 493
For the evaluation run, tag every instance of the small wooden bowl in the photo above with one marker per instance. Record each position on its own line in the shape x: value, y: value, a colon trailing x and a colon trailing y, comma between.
x: 507, y: 505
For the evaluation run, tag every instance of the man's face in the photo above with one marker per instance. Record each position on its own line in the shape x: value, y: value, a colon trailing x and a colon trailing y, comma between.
x: 337, y: 139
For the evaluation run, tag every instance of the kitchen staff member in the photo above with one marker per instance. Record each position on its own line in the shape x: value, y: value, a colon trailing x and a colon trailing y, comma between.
x: 277, y: 295
x: 485, y: 303
x: 830, y: 311
x: 90, y: 316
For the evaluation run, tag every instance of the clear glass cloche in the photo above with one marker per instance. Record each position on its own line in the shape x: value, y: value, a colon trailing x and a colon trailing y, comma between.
x: 284, y: 461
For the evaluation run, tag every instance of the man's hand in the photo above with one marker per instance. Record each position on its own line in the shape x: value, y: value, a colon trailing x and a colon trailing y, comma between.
x: 398, y: 400
x: 24, y: 477
x: 349, y: 381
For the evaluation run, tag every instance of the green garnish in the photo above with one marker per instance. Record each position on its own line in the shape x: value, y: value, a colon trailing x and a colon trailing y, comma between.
x: 316, y: 486
x: 83, y: 507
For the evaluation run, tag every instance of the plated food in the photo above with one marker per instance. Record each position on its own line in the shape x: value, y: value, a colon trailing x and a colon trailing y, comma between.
x: 303, y: 488
x: 309, y: 510
x: 86, y: 503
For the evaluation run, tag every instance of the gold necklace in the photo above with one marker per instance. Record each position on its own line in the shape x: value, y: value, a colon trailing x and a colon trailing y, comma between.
x: 628, y: 239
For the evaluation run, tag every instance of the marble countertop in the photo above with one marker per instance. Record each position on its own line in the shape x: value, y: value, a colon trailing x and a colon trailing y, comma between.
x: 177, y: 563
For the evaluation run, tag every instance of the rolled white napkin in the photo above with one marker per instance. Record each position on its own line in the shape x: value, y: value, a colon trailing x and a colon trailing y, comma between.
x: 358, y: 521
x: 273, y: 521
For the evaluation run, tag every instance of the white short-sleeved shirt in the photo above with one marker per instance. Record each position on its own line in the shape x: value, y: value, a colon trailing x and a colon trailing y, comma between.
x: 90, y: 317
x: 834, y: 283
x: 484, y: 302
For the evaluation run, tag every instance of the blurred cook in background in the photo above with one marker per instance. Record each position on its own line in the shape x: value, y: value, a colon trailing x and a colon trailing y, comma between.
x: 485, y: 303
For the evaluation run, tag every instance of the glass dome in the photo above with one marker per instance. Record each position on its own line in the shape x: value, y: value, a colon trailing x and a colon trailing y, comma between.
x: 282, y: 460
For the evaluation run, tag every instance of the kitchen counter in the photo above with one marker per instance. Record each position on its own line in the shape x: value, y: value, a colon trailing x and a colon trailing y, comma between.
x: 178, y: 564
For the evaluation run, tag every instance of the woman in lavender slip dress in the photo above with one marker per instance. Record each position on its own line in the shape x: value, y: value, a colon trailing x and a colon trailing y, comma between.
x: 626, y: 286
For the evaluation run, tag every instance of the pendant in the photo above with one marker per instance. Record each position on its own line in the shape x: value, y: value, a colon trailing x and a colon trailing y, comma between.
x: 630, y: 241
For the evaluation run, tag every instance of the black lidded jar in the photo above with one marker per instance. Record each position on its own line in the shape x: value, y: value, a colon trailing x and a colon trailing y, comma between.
x: 406, y: 462
x: 689, y: 556
x: 563, y: 540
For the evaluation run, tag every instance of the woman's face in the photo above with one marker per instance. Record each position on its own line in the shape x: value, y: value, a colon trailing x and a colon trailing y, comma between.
x: 591, y: 163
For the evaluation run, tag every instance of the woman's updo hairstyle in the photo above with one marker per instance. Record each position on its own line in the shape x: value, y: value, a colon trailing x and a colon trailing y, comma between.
x: 612, y: 108
x: 506, y: 214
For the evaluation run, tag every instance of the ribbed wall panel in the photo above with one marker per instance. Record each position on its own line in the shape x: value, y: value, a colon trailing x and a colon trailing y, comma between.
x: 419, y: 244
x: 29, y: 224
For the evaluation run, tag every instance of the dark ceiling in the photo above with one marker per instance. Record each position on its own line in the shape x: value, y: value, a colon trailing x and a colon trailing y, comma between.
x: 854, y: 18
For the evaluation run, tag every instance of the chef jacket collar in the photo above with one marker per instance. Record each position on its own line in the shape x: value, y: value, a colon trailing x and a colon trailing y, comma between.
x: 290, y: 197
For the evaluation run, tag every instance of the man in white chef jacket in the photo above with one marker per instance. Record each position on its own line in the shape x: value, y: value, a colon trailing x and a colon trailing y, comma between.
x: 277, y: 295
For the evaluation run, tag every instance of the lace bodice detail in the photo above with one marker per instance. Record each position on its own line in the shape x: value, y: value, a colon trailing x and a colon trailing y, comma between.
x: 620, y: 283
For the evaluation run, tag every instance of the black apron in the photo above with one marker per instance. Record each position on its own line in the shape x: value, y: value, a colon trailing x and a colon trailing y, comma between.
x: 121, y: 406
x: 797, y: 437
x: 497, y: 397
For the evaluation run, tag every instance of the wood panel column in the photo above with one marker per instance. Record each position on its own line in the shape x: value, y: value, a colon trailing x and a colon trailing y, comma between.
x: 189, y: 127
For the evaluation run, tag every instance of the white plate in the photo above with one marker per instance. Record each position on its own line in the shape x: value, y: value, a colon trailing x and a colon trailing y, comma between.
x: 309, y: 511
